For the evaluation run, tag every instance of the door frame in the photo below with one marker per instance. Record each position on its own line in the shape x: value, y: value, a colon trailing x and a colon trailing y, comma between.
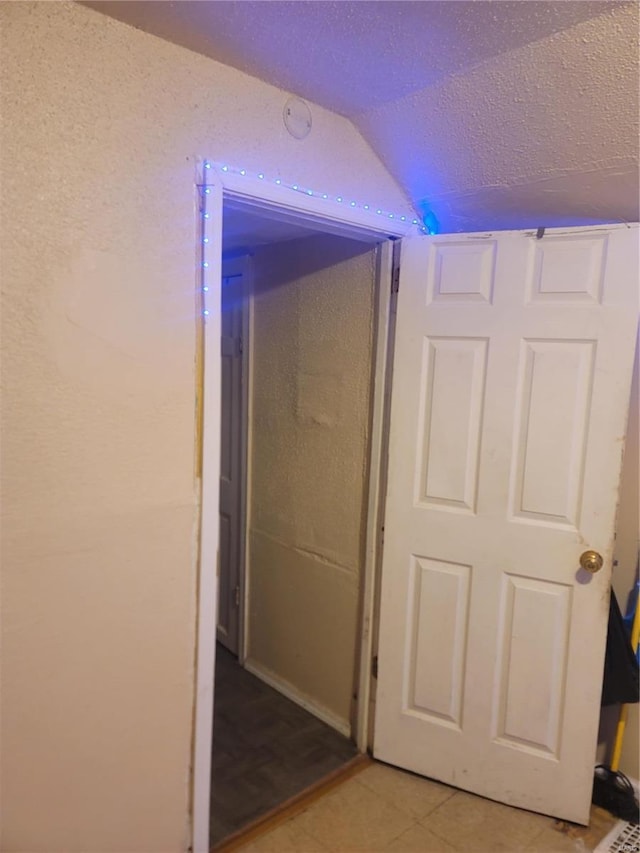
x: 240, y: 266
x: 214, y: 182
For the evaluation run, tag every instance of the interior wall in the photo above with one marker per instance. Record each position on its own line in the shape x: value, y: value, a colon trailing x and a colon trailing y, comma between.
x: 311, y: 357
x: 101, y: 125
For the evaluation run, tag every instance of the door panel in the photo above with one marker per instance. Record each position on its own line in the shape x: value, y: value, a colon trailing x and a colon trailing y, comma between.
x: 552, y: 414
x: 440, y: 595
x: 511, y: 383
x: 452, y: 383
x: 533, y: 614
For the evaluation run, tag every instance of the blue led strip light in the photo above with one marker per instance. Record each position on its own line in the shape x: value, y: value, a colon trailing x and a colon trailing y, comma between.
x: 340, y: 199
x: 204, y: 241
x: 347, y: 201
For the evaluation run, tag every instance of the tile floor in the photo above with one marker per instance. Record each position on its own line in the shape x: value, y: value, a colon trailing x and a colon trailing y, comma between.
x: 383, y: 808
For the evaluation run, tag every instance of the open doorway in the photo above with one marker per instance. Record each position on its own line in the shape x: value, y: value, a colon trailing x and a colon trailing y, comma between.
x: 441, y: 278
x: 298, y: 335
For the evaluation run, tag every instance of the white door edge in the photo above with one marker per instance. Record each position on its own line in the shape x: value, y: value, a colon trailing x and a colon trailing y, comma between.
x: 240, y: 266
x: 376, y: 496
x: 209, y: 212
x: 247, y: 470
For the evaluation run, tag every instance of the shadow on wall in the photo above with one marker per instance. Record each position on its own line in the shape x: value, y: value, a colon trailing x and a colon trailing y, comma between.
x: 313, y: 254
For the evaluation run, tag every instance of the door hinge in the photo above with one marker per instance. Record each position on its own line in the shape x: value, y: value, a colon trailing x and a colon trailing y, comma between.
x: 236, y: 596
x: 374, y: 666
x: 395, y: 280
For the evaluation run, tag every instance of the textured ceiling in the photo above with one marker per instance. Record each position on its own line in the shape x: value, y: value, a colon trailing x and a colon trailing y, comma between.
x: 546, y: 134
x: 351, y: 56
x: 492, y: 114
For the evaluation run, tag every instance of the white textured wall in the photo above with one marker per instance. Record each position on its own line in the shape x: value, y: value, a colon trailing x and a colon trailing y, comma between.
x: 100, y: 127
x: 311, y: 351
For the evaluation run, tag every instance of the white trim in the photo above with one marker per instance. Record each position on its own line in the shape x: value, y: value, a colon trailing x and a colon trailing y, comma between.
x: 324, y: 212
x: 240, y: 266
x: 326, y: 215
x: 248, y: 373
x: 287, y: 689
x: 207, y: 604
x: 372, y: 537
x: 247, y: 440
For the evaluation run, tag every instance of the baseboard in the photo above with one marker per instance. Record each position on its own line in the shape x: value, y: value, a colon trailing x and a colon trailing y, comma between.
x: 287, y: 689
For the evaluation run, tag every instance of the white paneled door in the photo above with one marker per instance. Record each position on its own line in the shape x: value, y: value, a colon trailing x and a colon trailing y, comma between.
x: 511, y: 384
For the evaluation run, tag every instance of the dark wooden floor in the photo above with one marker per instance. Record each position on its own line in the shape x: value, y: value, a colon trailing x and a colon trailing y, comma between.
x: 266, y: 748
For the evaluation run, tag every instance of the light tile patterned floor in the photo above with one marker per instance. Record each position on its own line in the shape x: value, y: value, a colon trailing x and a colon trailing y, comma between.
x: 386, y: 809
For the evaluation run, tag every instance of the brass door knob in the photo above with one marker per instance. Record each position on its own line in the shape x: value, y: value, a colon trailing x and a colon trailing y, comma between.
x: 591, y: 561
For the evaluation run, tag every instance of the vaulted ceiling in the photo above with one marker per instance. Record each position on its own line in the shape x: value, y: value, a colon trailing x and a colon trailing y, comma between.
x: 490, y: 113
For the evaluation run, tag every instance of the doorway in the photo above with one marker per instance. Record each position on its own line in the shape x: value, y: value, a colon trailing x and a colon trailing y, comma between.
x: 318, y: 212
x: 298, y: 310
x: 434, y: 277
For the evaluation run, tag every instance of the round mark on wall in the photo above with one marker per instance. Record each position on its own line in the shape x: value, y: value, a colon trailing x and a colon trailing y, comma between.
x: 297, y: 118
